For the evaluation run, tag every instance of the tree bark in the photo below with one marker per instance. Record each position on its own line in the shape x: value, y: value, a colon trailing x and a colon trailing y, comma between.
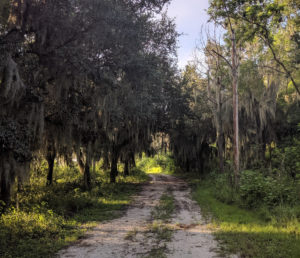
x: 234, y: 70
x: 132, y: 160
x: 84, y: 168
x: 220, y: 145
x: 87, y: 176
x: 114, y: 165
x: 5, y: 190
x: 219, y: 125
x: 106, y: 164
x: 50, y: 159
x: 126, y: 168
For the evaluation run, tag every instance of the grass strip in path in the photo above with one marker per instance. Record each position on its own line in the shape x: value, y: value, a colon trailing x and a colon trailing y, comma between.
x: 158, y: 230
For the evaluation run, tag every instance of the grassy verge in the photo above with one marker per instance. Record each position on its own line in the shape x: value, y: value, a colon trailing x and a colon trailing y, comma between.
x: 246, y: 232
x: 50, y: 218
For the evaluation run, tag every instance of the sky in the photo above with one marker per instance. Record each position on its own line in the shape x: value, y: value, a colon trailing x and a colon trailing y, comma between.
x: 189, y: 16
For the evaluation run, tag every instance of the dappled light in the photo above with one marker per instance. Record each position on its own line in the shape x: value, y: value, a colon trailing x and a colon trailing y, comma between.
x: 113, y: 143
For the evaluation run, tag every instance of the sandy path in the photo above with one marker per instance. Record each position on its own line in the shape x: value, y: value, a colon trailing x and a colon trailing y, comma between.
x: 192, y: 238
x: 110, y: 239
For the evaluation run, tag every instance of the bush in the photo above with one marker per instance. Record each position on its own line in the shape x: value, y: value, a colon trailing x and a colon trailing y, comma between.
x: 257, y: 189
x: 160, y: 163
x: 224, y: 191
x: 292, y: 160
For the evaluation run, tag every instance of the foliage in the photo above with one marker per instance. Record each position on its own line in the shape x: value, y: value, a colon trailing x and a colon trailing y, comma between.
x: 258, y: 233
x: 90, y: 79
x: 257, y: 189
x: 159, y: 163
x: 50, y: 217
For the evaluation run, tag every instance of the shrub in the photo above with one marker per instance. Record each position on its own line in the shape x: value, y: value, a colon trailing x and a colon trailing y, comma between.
x: 257, y: 189
x: 224, y: 191
x: 292, y: 159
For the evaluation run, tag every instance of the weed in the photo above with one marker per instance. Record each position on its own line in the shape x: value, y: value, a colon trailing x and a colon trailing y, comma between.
x: 157, y: 253
x: 131, y: 235
x: 165, y: 208
x: 161, y: 231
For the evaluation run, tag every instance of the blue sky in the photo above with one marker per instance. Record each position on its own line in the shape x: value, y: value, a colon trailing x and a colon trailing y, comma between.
x: 189, y: 16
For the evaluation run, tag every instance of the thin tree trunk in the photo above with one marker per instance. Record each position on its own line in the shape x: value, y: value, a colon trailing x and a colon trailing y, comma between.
x: 87, y: 176
x: 50, y: 159
x: 219, y: 125
x: 84, y: 168
x: 220, y: 145
x: 132, y: 160
x: 19, y: 187
x: 81, y: 165
x: 126, y: 168
x: 5, y: 190
x: 187, y: 166
x: 106, y: 164
x: 114, y: 165
x: 234, y: 69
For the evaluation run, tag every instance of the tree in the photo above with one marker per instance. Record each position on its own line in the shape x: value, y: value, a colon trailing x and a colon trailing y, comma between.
x: 78, y: 68
x: 220, y: 12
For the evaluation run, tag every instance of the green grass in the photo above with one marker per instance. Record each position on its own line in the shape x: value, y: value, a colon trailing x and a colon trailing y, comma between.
x: 158, y: 252
x: 165, y: 208
x: 162, y: 233
x: 50, y: 218
x: 131, y: 235
x: 246, y: 232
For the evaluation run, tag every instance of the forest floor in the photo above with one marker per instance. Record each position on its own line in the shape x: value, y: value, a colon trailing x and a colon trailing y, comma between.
x: 163, y: 221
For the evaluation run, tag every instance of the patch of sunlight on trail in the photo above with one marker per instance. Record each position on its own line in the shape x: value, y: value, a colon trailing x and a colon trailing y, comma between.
x: 154, y: 170
x: 109, y: 201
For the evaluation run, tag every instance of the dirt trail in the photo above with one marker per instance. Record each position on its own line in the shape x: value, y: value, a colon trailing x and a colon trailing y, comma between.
x: 127, y: 236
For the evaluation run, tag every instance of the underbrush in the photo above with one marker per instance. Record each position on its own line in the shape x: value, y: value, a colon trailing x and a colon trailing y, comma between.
x: 160, y: 163
x: 50, y: 217
x: 262, y: 219
x: 272, y: 197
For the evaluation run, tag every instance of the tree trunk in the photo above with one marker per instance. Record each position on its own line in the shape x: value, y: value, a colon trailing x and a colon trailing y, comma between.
x: 87, y: 176
x: 5, y: 190
x: 132, y: 160
x: 219, y: 125
x: 126, y: 168
x: 220, y: 145
x: 187, y: 166
x: 162, y: 143
x: 84, y: 168
x: 19, y: 188
x: 234, y: 70
x: 81, y: 165
x: 114, y: 165
x: 50, y: 159
x: 106, y: 164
